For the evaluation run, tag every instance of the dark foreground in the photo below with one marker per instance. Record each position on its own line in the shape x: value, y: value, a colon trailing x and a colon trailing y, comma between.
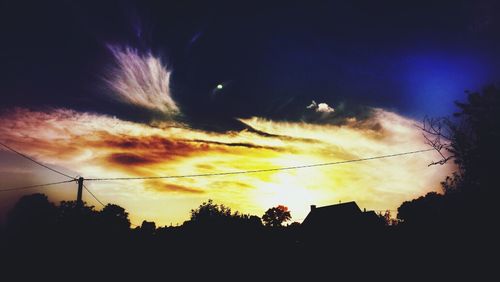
x: 240, y: 254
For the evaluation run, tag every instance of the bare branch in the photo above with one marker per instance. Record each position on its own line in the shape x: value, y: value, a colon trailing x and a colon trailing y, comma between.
x: 435, y: 132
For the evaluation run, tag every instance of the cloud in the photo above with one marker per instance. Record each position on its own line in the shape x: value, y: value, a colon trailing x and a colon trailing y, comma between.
x: 237, y: 144
x: 313, y: 105
x: 320, y: 108
x: 129, y: 159
x: 162, y: 186
x: 324, y: 108
x: 141, y: 80
x: 94, y: 145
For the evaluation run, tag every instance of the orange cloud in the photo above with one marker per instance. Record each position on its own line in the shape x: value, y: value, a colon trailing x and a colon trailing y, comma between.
x: 95, y: 145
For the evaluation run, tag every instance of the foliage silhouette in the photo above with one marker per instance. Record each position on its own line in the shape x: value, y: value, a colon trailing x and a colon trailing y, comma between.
x: 473, y: 135
x: 217, y: 223
x: 423, y: 210
x: 470, y: 138
x: 276, y: 216
x: 32, y: 213
x: 210, y: 212
x: 114, y: 218
x: 148, y: 227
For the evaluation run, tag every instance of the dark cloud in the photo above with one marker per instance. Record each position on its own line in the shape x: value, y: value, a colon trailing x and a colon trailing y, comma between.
x: 129, y: 159
x: 281, y: 137
x: 161, y: 186
x: 164, y: 148
x: 150, y: 150
x: 235, y: 144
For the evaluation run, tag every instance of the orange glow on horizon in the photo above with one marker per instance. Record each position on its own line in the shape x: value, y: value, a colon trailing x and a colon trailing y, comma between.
x: 94, y: 145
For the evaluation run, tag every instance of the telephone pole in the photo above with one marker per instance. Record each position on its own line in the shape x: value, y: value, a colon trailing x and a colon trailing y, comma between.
x: 79, y: 202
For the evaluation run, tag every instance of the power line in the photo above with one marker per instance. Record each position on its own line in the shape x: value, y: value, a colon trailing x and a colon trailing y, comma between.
x: 94, y: 196
x: 99, y: 201
x: 260, y: 170
x: 34, y: 186
x: 38, y: 163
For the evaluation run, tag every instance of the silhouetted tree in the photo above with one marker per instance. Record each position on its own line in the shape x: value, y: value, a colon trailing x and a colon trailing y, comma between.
x: 114, y: 218
x: 252, y: 220
x: 70, y: 208
x: 215, y: 224
x: 425, y: 210
x: 70, y: 216
x: 148, y: 227
x: 210, y: 212
x: 32, y: 213
x: 386, y: 218
x: 471, y: 139
x: 276, y: 216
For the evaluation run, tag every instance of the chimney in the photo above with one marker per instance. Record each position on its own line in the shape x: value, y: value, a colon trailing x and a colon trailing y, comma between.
x: 364, y: 210
x: 313, y: 207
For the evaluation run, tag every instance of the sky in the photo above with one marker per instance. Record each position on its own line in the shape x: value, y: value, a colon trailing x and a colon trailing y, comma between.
x: 104, y: 89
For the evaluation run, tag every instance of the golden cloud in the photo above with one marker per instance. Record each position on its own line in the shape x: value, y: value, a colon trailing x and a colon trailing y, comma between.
x: 95, y: 145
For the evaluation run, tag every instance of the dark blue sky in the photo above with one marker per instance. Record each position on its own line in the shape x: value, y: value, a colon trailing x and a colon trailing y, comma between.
x: 415, y: 57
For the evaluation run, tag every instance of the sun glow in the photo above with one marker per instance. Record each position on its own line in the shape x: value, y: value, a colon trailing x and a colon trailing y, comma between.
x: 94, y: 145
x: 290, y: 188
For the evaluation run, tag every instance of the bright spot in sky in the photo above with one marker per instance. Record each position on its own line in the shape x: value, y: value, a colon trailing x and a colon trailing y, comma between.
x: 219, y: 86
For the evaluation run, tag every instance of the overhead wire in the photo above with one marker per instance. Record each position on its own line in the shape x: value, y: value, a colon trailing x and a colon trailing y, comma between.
x: 94, y: 196
x: 259, y: 170
x: 73, y: 179
x: 100, y: 202
x: 35, y: 161
x: 34, y: 186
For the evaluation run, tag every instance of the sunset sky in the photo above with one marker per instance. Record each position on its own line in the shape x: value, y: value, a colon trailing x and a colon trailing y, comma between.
x: 162, y: 88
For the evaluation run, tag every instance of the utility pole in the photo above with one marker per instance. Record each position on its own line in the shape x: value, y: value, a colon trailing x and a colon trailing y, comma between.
x: 79, y: 202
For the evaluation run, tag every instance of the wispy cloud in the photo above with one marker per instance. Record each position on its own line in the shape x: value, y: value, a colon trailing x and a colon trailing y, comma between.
x: 141, y: 80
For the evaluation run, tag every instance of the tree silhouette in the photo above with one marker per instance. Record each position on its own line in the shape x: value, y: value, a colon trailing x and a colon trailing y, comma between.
x: 148, y: 227
x: 71, y: 217
x: 210, y: 212
x: 69, y: 209
x: 425, y: 210
x: 114, y: 218
x: 386, y: 218
x: 471, y: 139
x: 276, y: 216
x: 32, y: 213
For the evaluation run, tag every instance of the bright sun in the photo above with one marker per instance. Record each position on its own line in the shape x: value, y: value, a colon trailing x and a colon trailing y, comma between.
x: 286, y: 190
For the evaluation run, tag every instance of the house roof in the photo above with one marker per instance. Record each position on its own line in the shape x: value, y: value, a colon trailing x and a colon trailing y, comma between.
x: 340, y: 213
x: 370, y: 214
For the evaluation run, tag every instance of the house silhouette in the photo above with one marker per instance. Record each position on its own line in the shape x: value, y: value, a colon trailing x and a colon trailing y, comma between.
x: 339, y: 220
